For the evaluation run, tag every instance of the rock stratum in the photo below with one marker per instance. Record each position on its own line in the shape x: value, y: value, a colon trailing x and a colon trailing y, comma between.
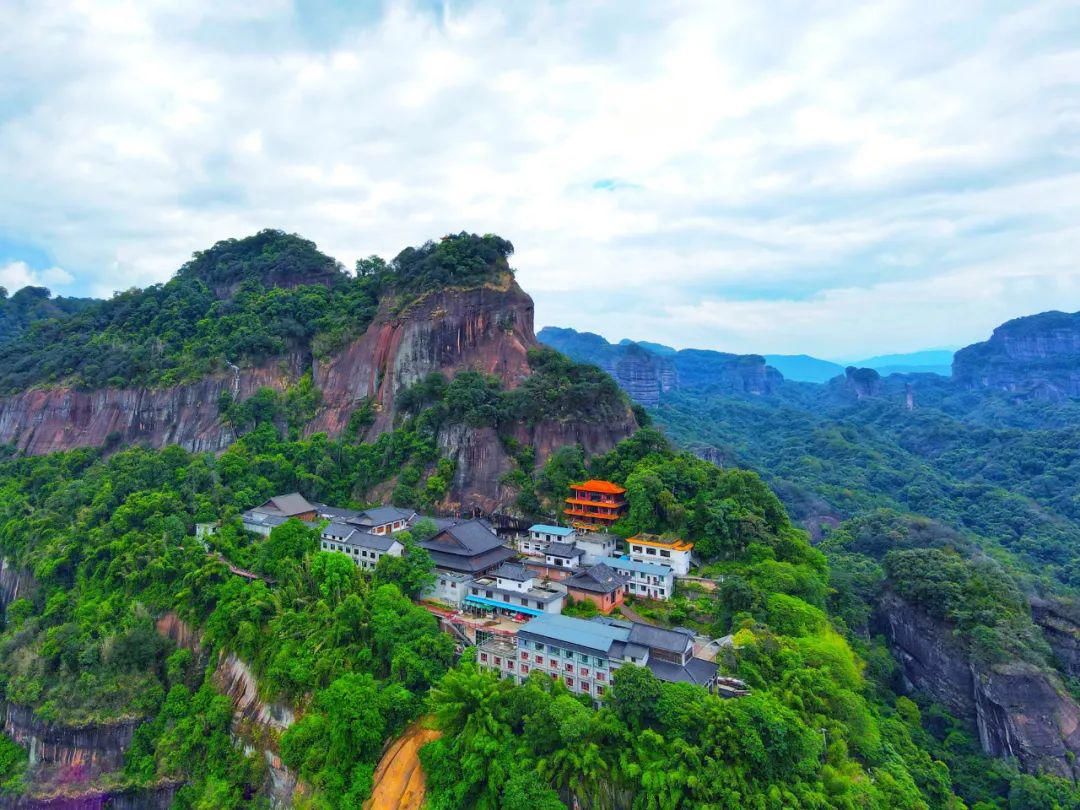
x: 1037, y: 357
x: 649, y: 371
x: 487, y: 328
x: 1020, y: 711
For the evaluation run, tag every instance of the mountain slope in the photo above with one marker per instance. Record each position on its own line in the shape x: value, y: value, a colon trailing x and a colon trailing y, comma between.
x: 178, y: 357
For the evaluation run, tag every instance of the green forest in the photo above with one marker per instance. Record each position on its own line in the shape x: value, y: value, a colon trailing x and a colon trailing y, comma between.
x: 239, y: 303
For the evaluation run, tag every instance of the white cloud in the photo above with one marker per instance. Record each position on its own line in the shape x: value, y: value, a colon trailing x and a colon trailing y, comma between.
x: 786, y: 177
x: 18, y: 274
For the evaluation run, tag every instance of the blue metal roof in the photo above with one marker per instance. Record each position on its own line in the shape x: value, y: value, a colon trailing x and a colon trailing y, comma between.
x: 626, y: 564
x: 558, y: 531
x: 580, y: 632
x: 492, y: 603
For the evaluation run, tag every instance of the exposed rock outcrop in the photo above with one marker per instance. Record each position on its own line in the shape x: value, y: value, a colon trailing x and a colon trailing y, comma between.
x: 1060, y: 625
x: 42, y: 421
x: 1020, y: 711
x: 157, y: 798
x: 82, y: 752
x: 1037, y: 357
x: 488, y: 329
x: 258, y: 725
x: 647, y: 372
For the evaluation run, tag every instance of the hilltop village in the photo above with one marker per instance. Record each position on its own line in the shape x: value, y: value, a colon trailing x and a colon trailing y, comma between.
x: 509, y: 594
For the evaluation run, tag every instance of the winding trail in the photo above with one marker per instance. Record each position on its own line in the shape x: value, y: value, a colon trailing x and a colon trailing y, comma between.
x: 399, y: 779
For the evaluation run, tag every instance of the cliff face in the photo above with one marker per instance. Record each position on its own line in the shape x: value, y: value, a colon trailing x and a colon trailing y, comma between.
x: 488, y: 329
x: 77, y: 753
x: 1019, y: 710
x: 44, y: 421
x: 1037, y: 357
x: 646, y: 374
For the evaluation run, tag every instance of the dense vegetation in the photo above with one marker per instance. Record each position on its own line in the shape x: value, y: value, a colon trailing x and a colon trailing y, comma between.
x: 32, y: 304
x: 239, y: 303
x: 814, y: 733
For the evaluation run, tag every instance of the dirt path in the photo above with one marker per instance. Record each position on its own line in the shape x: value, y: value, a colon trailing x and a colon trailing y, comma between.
x: 399, y: 779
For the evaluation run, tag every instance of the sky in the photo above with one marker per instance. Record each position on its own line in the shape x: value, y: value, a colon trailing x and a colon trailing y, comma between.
x: 837, y: 179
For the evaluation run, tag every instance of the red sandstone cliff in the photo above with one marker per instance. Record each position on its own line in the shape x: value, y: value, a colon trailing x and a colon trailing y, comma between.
x: 487, y: 329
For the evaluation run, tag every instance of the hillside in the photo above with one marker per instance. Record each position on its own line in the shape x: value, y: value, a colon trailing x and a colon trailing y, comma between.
x: 28, y: 306
x: 271, y: 319
x: 648, y: 375
x: 150, y: 663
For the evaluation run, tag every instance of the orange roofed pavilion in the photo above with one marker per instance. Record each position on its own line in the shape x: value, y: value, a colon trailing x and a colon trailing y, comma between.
x: 595, y: 504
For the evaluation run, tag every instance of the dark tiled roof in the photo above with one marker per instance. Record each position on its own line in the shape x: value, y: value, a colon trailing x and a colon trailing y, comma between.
x: 660, y: 638
x: 381, y: 515
x: 471, y: 564
x: 379, y: 542
x: 598, y: 579
x: 464, y: 539
x: 563, y: 550
x: 515, y: 572
x: 697, y: 670
x: 339, y: 531
x: 256, y: 518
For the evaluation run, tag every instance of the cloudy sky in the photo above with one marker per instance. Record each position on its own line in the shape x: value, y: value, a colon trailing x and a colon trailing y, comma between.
x: 841, y: 179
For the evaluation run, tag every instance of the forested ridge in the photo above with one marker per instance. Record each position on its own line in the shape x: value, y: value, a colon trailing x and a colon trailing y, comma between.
x: 107, y: 539
x: 241, y: 302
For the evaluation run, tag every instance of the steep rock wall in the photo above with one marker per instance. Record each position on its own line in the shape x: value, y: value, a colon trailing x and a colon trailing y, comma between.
x: 158, y: 798
x: 68, y: 755
x: 489, y: 329
x: 1019, y: 710
x: 1037, y: 356
x: 43, y: 421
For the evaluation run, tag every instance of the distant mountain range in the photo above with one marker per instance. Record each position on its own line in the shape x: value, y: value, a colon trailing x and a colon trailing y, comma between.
x: 797, y: 367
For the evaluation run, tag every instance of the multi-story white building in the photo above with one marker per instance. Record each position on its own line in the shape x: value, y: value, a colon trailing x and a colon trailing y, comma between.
x: 541, y: 535
x: 652, y: 548
x: 512, y: 589
x: 363, y: 548
x: 596, y: 546
x: 584, y: 654
x: 646, y: 579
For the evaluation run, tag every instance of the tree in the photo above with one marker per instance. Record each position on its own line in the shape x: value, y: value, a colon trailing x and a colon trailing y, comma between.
x: 634, y: 694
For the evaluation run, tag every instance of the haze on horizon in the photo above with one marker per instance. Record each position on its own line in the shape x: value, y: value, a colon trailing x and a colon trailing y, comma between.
x: 755, y: 177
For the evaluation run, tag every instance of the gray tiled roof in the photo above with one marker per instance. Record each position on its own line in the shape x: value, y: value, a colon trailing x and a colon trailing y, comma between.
x: 660, y: 638
x: 352, y: 536
x: 697, y: 670
x: 464, y: 539
x: 568, y: 550
x: 597, y: 579
x: 381, y: 515
x: 513, y: 571
x: 255, y: 518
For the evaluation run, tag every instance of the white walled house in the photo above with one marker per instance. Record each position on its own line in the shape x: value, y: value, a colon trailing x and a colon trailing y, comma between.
x: 511, y: 589
x: 648, y: 580
x: 541, y: 535
x: 364, y: 548
x: 596, y: 546
x: 563, y: 555
x: 651, y: 548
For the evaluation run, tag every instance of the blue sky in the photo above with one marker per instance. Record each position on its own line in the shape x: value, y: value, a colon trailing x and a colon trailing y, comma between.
x: 782, y: 177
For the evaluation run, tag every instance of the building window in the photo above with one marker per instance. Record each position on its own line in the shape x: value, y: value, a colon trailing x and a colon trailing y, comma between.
x: 498, y: 661
x: 524, y: 656
x: 570, y: 682
x: 583, y: 672
x: 483, y: 656
x: 665, y: 553
x: 568, y: 653
x: 599, y: 690
x: 538, y: 646
x: 599, y: 676
x: 651, y: 551
x: 584, y: 686
x: 583, y: 658
x: 510, y: 665
x: 569, y: 667
x: 554, y: 664
x: 636, y: 549
x: 524, y: 669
